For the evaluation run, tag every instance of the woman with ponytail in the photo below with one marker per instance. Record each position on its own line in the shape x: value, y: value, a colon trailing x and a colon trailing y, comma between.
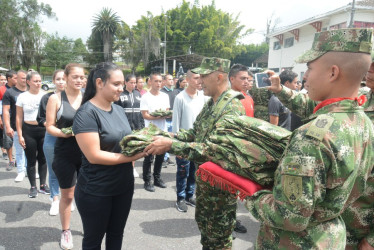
x: 61, y: 109
x: 105, y: 184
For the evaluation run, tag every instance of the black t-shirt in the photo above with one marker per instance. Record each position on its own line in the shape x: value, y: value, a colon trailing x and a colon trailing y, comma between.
x: 10, y: 98
x: 41, y: 117
x: 112, y: 126
x: 276, y: 108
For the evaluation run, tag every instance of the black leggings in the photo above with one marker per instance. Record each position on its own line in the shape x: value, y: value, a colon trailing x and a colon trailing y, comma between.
x: 103, y: 215
x: 34, y: 139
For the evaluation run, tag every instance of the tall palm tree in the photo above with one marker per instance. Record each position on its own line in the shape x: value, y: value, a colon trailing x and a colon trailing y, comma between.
x: 106, y: 23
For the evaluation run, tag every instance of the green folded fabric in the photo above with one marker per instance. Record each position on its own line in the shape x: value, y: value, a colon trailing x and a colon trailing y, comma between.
x: 248, y: 146
x: 67, y: 131
x: 139, y: 140
x: 162, y: 113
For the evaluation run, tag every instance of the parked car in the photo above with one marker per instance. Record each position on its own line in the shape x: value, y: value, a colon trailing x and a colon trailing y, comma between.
x: 47, y: 85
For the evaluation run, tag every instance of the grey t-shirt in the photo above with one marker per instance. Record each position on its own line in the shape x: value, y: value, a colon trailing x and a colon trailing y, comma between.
x: 186, y: 109
x: 276, y: 108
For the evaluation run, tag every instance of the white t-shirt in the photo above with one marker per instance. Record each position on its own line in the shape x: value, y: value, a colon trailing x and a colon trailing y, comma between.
x: 152, y: 103
x: 30, y: 104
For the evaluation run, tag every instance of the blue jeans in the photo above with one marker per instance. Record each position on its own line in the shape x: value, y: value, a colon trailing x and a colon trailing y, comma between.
x: 185, y: 178
x: 169, y: 126
x: 48, y: 148
x: 20, y: 154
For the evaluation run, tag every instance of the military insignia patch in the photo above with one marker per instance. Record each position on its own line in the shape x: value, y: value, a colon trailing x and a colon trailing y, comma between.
x: 320, y: 126
x: 292, y: 187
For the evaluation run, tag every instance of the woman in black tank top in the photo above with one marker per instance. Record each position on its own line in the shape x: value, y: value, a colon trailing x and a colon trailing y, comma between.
x: 61, y: 109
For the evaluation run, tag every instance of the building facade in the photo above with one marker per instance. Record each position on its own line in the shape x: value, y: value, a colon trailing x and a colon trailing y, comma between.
x: 288, y: 43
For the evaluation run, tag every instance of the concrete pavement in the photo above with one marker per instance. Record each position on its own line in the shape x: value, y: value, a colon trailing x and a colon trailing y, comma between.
x: 154, y: 222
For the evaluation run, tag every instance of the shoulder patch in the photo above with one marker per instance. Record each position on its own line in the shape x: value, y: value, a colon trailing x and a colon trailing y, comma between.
x: 320, y: 126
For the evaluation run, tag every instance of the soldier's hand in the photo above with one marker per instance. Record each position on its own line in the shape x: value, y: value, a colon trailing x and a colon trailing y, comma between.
x: 364, y: 245
x: 159, y: 146
x: 275, y: 86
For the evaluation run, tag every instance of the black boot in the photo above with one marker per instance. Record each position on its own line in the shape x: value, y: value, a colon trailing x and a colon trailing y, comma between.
x: 160, y: 183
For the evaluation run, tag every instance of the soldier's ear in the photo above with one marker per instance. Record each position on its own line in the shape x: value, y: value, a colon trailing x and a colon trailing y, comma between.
x: 334, y: 73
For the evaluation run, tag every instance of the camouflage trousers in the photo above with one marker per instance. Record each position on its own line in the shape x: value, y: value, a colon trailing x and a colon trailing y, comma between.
x: 215, y: 215
x: 326, y: 235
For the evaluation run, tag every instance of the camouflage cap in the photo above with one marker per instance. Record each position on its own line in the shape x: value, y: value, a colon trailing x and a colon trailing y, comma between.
x: 342, y: 40
x: 211, y: 64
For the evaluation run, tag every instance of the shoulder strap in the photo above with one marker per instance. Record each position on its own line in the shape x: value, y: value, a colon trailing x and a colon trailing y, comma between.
x: 221, y: 106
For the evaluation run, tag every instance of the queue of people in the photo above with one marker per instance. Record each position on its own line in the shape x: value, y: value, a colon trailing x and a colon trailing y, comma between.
x: 322, y: 195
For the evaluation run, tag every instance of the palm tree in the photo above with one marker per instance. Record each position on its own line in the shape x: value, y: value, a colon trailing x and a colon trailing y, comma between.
x: 106, y: 23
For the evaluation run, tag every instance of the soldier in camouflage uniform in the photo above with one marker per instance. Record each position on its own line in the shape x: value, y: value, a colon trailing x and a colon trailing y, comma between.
x: 325, y: 168
x: 215, y: 209
x: 359, y: 217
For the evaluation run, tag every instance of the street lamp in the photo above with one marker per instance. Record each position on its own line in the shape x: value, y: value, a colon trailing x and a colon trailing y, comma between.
x: 165, y: 16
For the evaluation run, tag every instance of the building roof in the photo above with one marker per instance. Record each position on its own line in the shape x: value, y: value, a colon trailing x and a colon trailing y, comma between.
x: 360, y: 5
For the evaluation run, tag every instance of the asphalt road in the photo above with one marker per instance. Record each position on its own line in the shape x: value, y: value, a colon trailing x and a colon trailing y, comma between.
x: 154, y: 222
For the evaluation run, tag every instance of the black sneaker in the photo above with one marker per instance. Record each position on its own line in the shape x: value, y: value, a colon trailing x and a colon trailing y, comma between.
x: 149, y: 186
x: 160, y: 183
x: 181, y: 206
x: 44, y: 189
x: 33, y: 192
x: 5, y: 156
x: 191, y: 202
x: 240, y: 228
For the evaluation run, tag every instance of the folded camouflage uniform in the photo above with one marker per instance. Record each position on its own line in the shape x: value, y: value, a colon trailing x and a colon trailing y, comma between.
x: 248, y: 146
x: 67, y: 131
x: 139, y: 140
x: 162, y: 113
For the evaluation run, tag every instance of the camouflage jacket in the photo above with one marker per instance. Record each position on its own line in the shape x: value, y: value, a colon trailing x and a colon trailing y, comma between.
x: 261, y: 97
x: 323, y: 171
x: 359, y: 218
x: 190, y: 143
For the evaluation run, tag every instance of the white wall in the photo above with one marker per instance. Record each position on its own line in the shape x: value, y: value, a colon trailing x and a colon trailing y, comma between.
x: 285, y: 57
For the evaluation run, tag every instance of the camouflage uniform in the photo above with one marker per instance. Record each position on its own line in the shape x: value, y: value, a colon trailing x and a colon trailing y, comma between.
x: 359, y: 217
x: 322, y: 172
x: 215, y: 211
x: 310, y: 191
x: 261, y: 103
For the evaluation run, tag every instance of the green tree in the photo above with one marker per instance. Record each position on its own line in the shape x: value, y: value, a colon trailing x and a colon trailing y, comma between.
x: 58, y: 51
x: 79, y: 51
x: 19, y: 30
x: 250, y: 53
x: 95, y: 49
x: 106, y: 23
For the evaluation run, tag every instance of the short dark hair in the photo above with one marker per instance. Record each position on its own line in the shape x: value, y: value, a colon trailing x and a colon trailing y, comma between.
x: 10, y: 74
x: 154, y: 74
x: 287, y: 75
x: 166, y: 75
x: 236, y: 68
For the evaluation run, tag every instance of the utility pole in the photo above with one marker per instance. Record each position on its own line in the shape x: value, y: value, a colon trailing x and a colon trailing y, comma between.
x: 165, y: 16
x: 351, y: 19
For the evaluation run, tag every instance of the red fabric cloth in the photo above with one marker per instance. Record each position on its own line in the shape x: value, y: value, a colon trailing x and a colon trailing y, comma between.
x: 361, y: 100
x: 248, y: 105
x: 225, y: 180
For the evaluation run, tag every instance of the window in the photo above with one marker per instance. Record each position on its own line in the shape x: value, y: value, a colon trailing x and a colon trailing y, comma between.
x: 288, y: 42
x: 274, y: 69
x: 276, y: 45
x: 338, y: 26
x: 363, y: 24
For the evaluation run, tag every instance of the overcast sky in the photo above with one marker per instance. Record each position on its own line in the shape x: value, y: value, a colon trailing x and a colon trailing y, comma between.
x: 75, y: 16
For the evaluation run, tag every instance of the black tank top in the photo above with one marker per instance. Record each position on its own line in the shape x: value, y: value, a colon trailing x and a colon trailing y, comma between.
x: 66, y: 113
x: 65, y: 116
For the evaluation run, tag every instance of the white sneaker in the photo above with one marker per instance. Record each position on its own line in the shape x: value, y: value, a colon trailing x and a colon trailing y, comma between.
x: 20, y: 177
x: 37, y: 176
x: 72, y: 207
x: 66, y: 240
x: 54, y: 208
x: 136, y: 175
